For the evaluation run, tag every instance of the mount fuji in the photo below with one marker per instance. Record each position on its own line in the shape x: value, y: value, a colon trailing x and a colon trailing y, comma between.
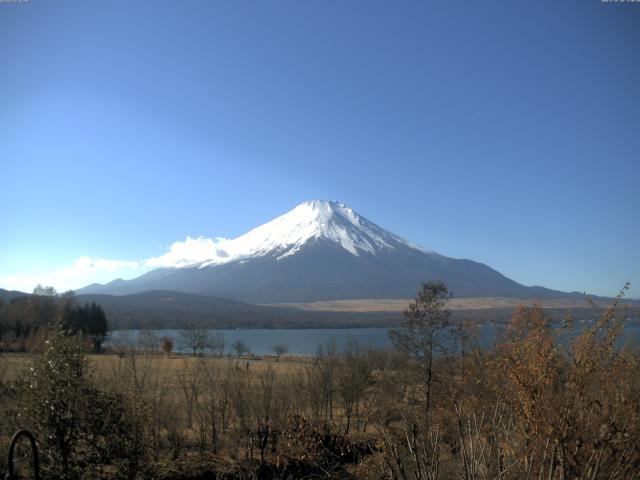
x: 320, y: 250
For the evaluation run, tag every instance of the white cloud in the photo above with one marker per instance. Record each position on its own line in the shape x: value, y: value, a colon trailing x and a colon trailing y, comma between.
x: 86, y: 270
x: 192, y: 250
x: 83, y: 271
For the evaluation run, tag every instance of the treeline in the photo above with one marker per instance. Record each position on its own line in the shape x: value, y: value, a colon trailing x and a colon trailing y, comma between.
x: 24, y: 321
x: 541, y: 404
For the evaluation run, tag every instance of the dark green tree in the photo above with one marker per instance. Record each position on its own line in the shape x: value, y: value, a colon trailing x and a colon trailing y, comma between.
x: 89, y: 320
x: 96, y: 326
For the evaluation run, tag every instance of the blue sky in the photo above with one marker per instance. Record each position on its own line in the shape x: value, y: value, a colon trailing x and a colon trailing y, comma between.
x: 504, y: 132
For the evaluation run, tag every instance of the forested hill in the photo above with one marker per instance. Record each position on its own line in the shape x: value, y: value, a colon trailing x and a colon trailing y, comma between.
x: 8, y: 295
x: 169, y: 309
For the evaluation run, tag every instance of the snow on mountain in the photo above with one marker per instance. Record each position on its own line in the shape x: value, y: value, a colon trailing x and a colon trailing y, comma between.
x: 320, y: 250
x: 286, y: 234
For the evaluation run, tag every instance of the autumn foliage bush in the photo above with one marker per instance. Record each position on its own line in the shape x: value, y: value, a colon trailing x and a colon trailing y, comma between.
x: 548, y: 402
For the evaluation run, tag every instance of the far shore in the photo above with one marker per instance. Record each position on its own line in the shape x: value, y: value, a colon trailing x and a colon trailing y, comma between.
x: 371, y: 305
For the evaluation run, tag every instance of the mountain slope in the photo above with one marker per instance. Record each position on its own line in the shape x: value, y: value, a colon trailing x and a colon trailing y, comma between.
x: 321, y: 251
x: 167, y: 309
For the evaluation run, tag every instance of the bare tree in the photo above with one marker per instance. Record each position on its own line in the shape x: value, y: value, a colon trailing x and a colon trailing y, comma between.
x: 189, y: 385
x: 280, y: 350
x: 147, y: 342
x: 208, y: 404
x: 263, y: 410
x: 196, y: 339
x: 420, y: 335
x: 354, y: 375
x: 240, y: 347
x: 217, y: 344
x: 325, y: 376
x: 242, y: 402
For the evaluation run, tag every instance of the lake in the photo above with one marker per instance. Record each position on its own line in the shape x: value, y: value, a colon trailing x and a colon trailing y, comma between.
x: 307, y: 341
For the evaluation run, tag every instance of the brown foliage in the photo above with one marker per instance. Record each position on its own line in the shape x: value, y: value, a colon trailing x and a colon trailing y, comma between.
x: 166, y: 345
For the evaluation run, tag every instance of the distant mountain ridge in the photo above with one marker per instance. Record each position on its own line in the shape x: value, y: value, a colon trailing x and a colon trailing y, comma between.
x: 322, y: 250
x: 8, y: 295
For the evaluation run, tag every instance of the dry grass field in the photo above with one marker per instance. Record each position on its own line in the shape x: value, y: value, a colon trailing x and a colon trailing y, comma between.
x: 14, y: 365
x: 398, y: 305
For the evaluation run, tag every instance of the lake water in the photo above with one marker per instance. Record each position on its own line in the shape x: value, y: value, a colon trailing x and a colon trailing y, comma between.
x: 307, y: 341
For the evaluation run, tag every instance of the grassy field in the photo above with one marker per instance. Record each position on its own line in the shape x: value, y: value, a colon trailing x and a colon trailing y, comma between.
x: 14, y: 365
x: 475, y: 303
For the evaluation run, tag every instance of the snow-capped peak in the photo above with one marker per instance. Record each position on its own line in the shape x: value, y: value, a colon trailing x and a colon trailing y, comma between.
x: 287, y: 234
